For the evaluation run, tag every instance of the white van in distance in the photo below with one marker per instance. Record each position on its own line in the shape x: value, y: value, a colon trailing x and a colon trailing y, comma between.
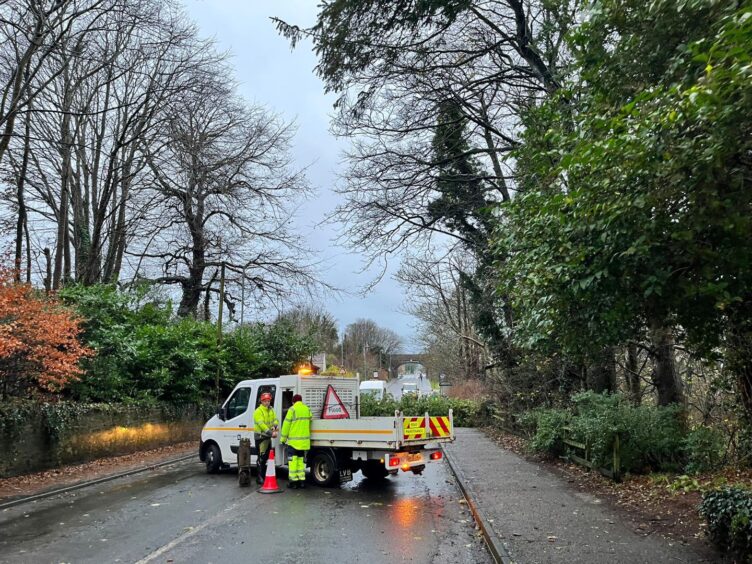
x: 410, y: 388
x: 374, y: 388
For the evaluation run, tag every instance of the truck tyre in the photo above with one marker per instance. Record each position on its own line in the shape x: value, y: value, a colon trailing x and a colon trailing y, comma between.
x: 374, y: 470
x: 213, y: 459
x: 323, y: 469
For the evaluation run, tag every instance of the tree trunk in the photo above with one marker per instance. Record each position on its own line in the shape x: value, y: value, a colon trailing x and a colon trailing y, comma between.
x: 28, y: 252
x: 21, y: 84
x: 62, y: 250
x: 48, y: 271
x: 601, y: 374
x: 62, y: 238
x: 633, y: 376
x: 739, y: 360
x: 21, y: 224
x: 114, y: 259
x: 81, y: 232
x: 207, y: 297
x: 666, y: 380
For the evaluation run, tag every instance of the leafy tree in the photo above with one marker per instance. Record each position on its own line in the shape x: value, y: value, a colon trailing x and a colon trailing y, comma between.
x: 635, y: 220
x: 143, y: 353
x: 39, y: 341
x: 113, y: 324
x: 430, y: 92
x: 266, y: 351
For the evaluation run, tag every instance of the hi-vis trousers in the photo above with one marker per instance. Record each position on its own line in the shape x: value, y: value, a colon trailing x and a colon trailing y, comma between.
x: 296, y: 464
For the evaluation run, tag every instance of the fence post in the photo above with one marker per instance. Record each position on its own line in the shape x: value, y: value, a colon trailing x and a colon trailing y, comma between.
x: 617, y: 459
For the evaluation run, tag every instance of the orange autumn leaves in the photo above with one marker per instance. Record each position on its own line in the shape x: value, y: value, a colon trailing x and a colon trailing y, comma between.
x: 39, y: 347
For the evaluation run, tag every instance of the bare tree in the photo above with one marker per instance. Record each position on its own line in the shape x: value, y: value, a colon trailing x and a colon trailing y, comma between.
x: 395, y: 64
x: 224, y: 180
x: 442, y: 305
x: 33, y: 35
x: 430, y: 96
x: 32, y: 31
x: 314, y: 322
x: 367, y: 345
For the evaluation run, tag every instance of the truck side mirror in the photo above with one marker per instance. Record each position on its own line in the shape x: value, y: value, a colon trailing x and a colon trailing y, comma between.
x: 221, y: 413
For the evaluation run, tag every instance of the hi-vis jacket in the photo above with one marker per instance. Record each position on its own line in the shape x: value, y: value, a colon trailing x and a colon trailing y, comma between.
x: 296, y: 429
x: 263, y: 421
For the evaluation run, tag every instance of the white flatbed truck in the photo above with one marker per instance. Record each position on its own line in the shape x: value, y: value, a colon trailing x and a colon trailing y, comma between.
x: 377, y: 446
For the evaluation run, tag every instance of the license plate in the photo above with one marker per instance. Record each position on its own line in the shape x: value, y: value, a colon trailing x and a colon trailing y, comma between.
x: 345, y: 475
x: 414, y: 458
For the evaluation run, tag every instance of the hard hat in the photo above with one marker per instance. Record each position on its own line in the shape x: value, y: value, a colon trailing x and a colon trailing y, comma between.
x: 266, y: 396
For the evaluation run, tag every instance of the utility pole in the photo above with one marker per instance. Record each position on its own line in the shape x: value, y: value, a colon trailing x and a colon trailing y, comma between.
x: 365, y: 348
x: 242, y: 299
x: 219, y: 327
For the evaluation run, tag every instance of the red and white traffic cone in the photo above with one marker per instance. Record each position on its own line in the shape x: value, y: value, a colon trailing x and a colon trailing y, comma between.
x: 270, y: 481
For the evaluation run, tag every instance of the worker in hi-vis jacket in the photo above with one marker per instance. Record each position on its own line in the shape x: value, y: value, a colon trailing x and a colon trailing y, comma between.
x: 265, y: 426
x: 296, y: 433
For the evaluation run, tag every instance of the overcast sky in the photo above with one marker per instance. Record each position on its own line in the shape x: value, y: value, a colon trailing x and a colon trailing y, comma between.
x: 283, y: 80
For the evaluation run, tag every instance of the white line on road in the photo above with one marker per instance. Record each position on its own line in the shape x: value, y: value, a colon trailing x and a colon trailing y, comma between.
x: 188, y: 534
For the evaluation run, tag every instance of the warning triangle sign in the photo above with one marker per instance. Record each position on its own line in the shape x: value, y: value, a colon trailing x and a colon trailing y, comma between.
x: 333, y: 406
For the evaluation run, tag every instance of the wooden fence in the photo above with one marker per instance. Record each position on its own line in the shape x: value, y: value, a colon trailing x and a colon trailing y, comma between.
x: 584, y: 458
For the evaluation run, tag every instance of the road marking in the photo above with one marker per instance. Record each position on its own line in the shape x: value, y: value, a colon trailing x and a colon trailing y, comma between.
x: 188, y: 534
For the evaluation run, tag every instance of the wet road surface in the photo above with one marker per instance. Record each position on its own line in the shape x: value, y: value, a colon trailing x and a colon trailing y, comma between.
x: 180, y: 514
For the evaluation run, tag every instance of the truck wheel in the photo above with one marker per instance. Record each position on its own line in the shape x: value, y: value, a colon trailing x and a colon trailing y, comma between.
x: 374, y: 470
x: 323, y: 469
x: 213, y: 459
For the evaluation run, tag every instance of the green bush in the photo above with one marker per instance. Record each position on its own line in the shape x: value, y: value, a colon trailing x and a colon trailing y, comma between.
x: 651, y: 438
x: 705, y: 449
x: 145, y: 354
x: 729, y: 515
x: 548, y: 426
x: 465, y: 412
x: 265, y: 351
x: 177, y: 362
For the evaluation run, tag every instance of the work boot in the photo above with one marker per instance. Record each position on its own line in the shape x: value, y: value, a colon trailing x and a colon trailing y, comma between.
x: 301, y: 485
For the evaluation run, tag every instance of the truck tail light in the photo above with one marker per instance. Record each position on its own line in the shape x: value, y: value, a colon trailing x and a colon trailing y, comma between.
x: 394, y: 461
x: 436, y: 455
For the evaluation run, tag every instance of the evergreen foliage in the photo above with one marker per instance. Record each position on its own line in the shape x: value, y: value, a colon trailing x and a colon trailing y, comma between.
x: 145, y: 353
x: 729, y: 515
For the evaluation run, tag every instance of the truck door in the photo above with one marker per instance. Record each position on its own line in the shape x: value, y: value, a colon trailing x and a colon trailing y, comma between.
x: 238, y: 421
x: 265, y: 389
